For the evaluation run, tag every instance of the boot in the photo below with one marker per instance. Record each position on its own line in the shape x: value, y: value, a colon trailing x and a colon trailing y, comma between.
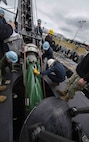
x: 7, y: 82
x: 3, y: 88
x: 62, y: 93
x: 2, y: 99
x: 65, y: 98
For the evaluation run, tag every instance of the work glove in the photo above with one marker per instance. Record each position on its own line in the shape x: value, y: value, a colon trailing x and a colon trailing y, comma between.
x: 36, y: 71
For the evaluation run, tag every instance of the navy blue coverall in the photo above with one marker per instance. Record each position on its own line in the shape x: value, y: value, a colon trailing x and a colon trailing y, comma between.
x: 56, y: 73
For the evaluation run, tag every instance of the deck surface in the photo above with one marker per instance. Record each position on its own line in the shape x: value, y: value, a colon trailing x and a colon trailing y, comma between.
x: 53, y: 87
x: 68, y: 63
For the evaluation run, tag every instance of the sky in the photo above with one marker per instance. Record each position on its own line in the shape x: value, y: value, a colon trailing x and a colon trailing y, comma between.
x: 67, y: 17
x: 64, y: 15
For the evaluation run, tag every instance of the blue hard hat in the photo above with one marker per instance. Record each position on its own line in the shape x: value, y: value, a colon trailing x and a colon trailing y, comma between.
x: 2, y: 11
x: 12, y: 56
x: 46, y: 45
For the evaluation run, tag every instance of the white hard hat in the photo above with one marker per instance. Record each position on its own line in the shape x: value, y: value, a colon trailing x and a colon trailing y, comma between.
x: 50, y: 62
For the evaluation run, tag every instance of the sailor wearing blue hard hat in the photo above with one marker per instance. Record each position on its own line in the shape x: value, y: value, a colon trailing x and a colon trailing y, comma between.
x: 47, y: 50
x: 9, y: 58
x: 12, y: 56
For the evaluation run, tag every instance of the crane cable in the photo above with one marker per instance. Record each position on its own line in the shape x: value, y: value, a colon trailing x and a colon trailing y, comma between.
x: 36, y: 12
x: 44, y: 90
x: 14, y: 5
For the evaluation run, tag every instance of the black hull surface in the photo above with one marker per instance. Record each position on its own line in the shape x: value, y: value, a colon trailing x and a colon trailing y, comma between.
x: 12, y: 110
x: 53, y: 114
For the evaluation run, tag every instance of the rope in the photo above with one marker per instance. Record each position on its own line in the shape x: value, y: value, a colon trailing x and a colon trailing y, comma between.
x: 42, y: 70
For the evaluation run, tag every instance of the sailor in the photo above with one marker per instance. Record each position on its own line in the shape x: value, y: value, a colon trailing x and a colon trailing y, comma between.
x: 49, y: 37
x: 5, y: 32
x: 78, y: 81
x: 56, y: 71
x: 9, y: 58
x: 38, y: 29
x: 39, y: 32
x: 47, y: 51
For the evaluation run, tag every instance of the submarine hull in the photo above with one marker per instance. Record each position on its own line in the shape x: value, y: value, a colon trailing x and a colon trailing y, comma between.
x: 53, y: 114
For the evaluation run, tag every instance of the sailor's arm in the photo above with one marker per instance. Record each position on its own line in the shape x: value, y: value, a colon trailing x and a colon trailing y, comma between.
x: 5, y: 31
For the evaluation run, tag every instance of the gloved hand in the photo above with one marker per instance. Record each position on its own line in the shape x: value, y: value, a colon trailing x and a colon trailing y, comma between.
x: 36, y: 71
